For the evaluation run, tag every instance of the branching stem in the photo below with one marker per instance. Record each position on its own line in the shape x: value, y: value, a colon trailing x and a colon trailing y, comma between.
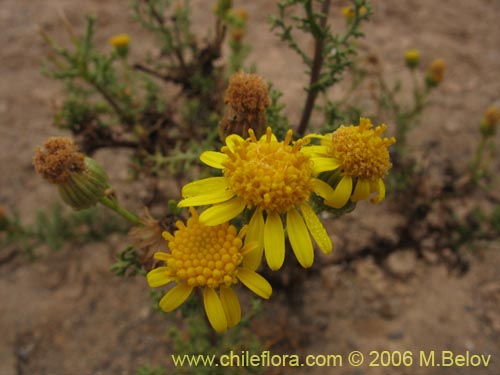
x: 312, y: 92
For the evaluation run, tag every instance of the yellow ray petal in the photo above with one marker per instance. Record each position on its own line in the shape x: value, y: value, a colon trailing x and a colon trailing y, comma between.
x: 202, y: 200
x: 215, y: 311
x: 175, y: 297
x: 204, y: 186
x: 158, y: 277
x: 274, y: 241
x: 314, y: 150
x: 160, y: 255
x: 322, y: 189
x: 324, y: 164
x: 314, y: 135
x: 316, y: 228
x: 255, y: 282
x: 213, y: 159
x: 362, y: 190
x: 232, y: 140
x: 222, y: 212
x: 342, y: 193
x: 255, y: 234
x: 381, y: 192
x: 231, y: 305
x: 299, y: 238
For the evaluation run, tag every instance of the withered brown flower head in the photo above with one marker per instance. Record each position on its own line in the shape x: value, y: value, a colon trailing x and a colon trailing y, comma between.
x: 247, y: 93
x: 491, y: 117
x: 57, y: 158
x: 246, y: 100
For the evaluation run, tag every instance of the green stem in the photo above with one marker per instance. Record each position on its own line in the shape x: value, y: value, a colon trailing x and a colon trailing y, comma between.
x: 317, y: 64
x: 115, y: 206
x: 479, y: 157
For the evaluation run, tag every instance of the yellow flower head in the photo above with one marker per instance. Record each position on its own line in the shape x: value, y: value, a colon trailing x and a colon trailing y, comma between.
x: 412, y: 58
x: 120, y: 40
x: 349, y: 12
x: 435, y: 72
x: 271, y: 178
x: 361, y: 156
x: 121, y: 43
x: 209, y: 257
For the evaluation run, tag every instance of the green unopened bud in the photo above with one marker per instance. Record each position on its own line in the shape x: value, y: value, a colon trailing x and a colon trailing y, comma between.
x: 85, y: 189
x: 81, y: 181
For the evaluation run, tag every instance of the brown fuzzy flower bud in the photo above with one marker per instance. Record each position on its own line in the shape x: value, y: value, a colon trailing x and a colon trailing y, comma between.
x: 491, y: 118
x: 57, y: 159
x: 435, y: 73
x: 246, y: 100
x: 81, y: 181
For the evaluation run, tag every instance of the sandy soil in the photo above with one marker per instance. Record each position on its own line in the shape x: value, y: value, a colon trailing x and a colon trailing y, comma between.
x: 67, y: 314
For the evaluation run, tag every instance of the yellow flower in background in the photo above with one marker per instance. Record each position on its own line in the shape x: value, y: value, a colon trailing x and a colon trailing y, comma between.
x: 412, y: 58
x: 435, y: 72
x: 121, y: 43
x: 360, y: 155
x: 120, y: 40
x: 208, y: 257
x: 271, y: 178
x: 349, y: 12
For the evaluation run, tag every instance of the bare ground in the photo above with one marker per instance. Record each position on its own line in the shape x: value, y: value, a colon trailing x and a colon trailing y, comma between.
x: 67, y: 314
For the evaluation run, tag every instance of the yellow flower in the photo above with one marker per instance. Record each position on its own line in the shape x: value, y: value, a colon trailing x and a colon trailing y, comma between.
x: 435, y: 72
x: 412, y: 58
x: 208, y: 257
x: 120, y: 40
x: 349, y: 12
x: 360, y: 155
x: 121, y: 43
x: 273, y: 179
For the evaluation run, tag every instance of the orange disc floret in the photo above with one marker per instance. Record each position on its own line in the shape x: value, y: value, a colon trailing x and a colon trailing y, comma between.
x: 361, y: 150
x: 57, y: 158
x: 205, y: 256
x: 273, y: 176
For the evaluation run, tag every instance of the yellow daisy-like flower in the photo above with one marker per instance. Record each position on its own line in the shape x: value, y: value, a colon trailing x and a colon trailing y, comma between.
x: 120, y: 40
x: 273, y: 179
x: 361, y: 156
x: 209, y: 257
